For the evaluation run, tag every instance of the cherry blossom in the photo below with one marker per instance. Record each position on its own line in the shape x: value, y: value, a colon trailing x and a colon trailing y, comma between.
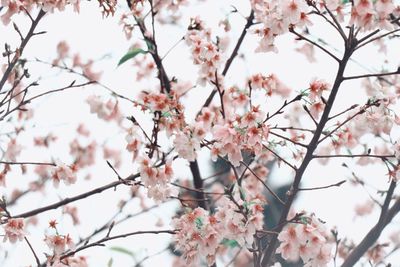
x: 156, y: 180
x: 186, y: 145
x: 308, y: 240
x: 64, y: 173
x: 134, y: 141
x: 107, y: 111
x: 13, y: 150
x: 59, y: 243
x: 14, y: 230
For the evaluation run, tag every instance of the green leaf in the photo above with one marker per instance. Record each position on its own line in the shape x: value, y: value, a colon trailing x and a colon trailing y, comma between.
x: 166, y: 114
x: 123, y: 251
x: 110, y: 262
x: 131, y: 54
x: 198, y: 222
x: 231, y: 243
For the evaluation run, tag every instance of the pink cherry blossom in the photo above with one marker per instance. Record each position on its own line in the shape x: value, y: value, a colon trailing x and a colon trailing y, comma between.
x: 14, y: 230
x: 308, y: 241
x: 59, y: 243
x: 64, y: 173
x: 13, y: 150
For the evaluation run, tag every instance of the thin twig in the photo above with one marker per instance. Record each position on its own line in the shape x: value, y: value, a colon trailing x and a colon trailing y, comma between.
x: 301, y: 37
x: 323, y: 187
x: 372, y: 75
x: 264, y: 184
x: 109, y: 238
x: 33, y: 251
x: 21, y: 48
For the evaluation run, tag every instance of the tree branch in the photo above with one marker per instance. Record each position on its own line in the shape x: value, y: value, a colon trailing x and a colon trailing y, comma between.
x: 372, y: 236
x: 21, y: 48
x: 75, y: 198
x: 273, y: 244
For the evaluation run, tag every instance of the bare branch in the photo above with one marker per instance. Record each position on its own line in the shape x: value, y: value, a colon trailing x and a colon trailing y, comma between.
x: 75, y: 198
x: 109, y: 238
x: 21, y: 48
x: 323, y: 187
x: 370, y: 238
x: 373, y: 75
x: 33, y: 251
x: 301, y: 37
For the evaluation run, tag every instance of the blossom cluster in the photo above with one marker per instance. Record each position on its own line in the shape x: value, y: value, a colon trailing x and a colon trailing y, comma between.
x: 308, y: 240
x: 63, y: 172
x: 271, y: 84
x: 156, y: 179
x: 229, y: 137
x: 368, y: 14
x: 59, y: 243
x: 205, y: 53
x: 16, y: 6
x: 200, y: 234
x: 108, y: 111
x: 134, y: 141
x: 275, y: 18
x: 14, y: 230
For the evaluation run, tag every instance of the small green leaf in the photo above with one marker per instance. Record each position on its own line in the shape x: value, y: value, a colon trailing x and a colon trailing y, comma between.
x: 123, y: 251
x: 166, y: 114
x: 131, y: 54
x: 110, y: 262
x: 231, y: 243
x: 198, y: 222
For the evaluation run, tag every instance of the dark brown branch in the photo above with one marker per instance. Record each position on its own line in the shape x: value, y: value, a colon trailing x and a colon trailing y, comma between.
x: 198, y: 184
x: 343, y: 112
x: 334, y: 24
x: 377, y: 38
x: 109, y: 238
x: 288, y: 139
x: 76, y: 198
x: 338, y: 26
x: 354, y: 156
x: 372, y: 75
x: 27, y: 163
x: 301, y: 37
x: 33, y: 251
x: 285, y: 104
x: 310, y: 115
x: 369, y: 35
x: 361, y: 111
x: 196, y: 190
x: 273, y: 244
x: 280, y: 158
x: 372, y: 236
x: 323, y: 187
x: 264, y: 184
x: 27, y: 101
x: 81, y: 74
x: 292, y: 128
x: 21, y: 48
x: 164, y: 80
